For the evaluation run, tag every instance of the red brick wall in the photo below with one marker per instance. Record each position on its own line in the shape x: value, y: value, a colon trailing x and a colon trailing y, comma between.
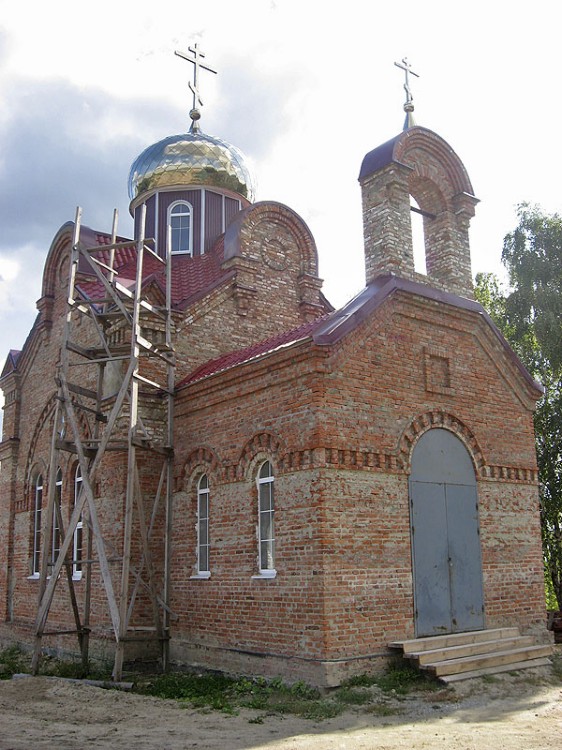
x: 276, y: 288
x: 338, y: 424
x: 252, y: 306
x: 339, y: 432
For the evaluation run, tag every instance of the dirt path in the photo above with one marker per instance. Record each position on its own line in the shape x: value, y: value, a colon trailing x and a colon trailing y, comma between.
x: 511, y: 713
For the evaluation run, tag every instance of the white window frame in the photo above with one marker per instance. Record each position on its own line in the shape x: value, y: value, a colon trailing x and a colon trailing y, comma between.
x: 265, y: 481
x: 202, y: 527
x: 55, y: 530
x: 37, y: 510
x: 188, y: 212
x: 78, y: 541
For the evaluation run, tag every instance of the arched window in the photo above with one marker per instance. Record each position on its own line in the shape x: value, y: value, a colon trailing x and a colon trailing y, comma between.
x: 203, y: 568
x: 266, y: 535
x: 78, y: 532
x: 37, y: 506
x: 180, y: 227
x: 55, y: 539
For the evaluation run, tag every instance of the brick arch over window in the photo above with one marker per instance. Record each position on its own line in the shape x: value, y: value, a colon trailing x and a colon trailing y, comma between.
x: 201, y: 460
x: 32, y: 460
x: 259, y: 221
x: 430, y: 420
x: 38, y: 467
x: 262, y: 446
x: 45, y: 421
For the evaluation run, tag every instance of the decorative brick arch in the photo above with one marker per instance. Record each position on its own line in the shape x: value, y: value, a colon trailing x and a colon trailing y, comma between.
x: 203, y: 459
x: 265, y: 445
x: 58, y: 252
x: 446, y: 421
x: 262, y: 218
x: 32, y: 461
x: 45, y: 418
x: 432, y: 158
x: 40, y: 467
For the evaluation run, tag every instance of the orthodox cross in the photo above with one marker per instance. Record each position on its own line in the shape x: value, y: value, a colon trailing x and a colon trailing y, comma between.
x: 407, y: 68
x: 194, y: 87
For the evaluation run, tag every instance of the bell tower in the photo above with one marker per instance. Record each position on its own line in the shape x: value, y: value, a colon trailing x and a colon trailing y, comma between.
x: 417, y: 164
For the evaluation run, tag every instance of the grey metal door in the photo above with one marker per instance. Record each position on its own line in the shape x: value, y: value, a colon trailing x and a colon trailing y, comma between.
x: 446, y: 555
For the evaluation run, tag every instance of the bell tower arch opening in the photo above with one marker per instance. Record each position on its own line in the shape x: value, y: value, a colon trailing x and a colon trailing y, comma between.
x: 418, y: 237
x: 417, y: 172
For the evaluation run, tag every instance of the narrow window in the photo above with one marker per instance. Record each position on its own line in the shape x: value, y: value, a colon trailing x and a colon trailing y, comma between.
x: 55, y: 539
x: 418, y: 237
x: 203, y: 526
x: 37, y: 505
x: 180, y: 227
x: 79, y: 531
x: 266, y: 511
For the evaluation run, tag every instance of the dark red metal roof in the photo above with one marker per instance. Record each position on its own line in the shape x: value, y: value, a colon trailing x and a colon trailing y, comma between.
x: 191, y: 276
x: 331, y: 328
x: 378, y: 158
x: 274, y: 343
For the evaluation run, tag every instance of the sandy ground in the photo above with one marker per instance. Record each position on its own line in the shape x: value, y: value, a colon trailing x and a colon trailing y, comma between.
x: 513, y: 713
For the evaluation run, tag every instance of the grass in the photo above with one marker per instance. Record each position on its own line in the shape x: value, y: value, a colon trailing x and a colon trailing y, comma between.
x: 374, y: 694
x: 227, y: 694
x: 12, y: 661
x: 219, y: 692
x: 490, y: 679
x: 557, y: 665
x: 15, y: 661
x: 216, y: 691
x: 399, y: 679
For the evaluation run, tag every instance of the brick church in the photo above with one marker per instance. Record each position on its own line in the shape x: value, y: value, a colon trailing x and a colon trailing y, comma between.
x: 284, y: 488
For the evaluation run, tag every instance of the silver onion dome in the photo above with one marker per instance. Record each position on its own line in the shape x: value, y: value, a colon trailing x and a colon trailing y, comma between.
x: 192, y: 158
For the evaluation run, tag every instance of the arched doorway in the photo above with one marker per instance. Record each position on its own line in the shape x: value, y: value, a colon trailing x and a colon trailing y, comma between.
x: 446, y: 557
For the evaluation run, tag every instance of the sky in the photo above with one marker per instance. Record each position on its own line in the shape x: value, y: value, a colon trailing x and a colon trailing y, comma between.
x: 305, y: 89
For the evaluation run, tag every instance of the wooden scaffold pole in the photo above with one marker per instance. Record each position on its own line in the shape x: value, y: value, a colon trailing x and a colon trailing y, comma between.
x: 89, y: 425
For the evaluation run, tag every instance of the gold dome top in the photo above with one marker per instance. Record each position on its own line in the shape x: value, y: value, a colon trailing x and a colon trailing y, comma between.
x: 191, y: 159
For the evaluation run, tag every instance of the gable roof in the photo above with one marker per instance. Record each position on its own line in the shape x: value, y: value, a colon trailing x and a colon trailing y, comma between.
x: 253, y: 352
x: 334, y: 326
x: 192, y: 277
x: 11, y: 364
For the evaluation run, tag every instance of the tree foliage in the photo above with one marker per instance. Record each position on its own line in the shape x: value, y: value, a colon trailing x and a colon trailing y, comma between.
x: 548, y: 433
x: 532, y: 254
x: 529, y: 315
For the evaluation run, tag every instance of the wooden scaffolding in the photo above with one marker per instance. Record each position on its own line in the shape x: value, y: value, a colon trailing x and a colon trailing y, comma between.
x: 129, y: 341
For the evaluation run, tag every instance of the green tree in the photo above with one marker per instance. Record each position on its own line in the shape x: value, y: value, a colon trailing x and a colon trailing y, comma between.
x: 529, y: 315
x: 548, y: 435
x: 532, y: 255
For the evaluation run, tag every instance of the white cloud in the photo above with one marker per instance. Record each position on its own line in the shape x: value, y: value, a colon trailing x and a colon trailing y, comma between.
x: 9, y: 269
x: 304, y: 88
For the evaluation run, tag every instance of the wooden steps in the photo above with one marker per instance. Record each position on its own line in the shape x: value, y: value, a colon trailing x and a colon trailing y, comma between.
x: 462, y: 656
x: 513, y: 667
